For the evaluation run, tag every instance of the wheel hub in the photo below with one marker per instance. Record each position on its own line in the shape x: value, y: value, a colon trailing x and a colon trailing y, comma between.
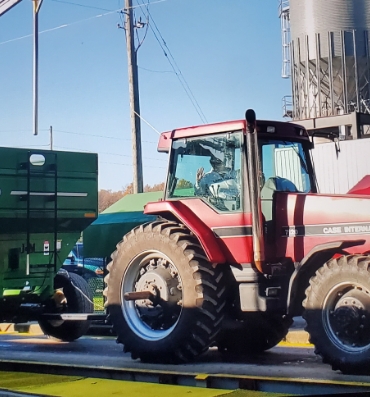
x: 346, y: 318
x: 60, y: 302
x: 153, y: 314
x: 350, y: 321
x: 164, y: 288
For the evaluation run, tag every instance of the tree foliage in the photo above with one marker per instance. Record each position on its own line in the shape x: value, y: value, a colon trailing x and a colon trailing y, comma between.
x: 184, y: 184
x: 106, y: 198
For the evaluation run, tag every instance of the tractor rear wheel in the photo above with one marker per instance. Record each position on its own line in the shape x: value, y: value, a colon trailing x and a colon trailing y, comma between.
x: 256, y: 334
x: 164, y: 299
x: 337, y: 312
x: 72, y: 295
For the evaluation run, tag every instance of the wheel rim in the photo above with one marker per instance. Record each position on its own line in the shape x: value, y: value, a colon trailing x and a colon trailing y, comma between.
x: 154, y: 319
x: 346, y: 317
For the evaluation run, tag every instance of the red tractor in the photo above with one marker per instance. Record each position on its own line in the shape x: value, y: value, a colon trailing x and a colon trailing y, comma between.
x: 242, y: 244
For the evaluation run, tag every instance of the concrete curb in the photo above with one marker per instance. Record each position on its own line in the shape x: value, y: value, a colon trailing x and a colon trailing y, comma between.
x: 294, y: 336
x: 300, y: 337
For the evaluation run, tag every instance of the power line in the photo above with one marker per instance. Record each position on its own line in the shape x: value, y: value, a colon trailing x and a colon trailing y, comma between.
x: 147, y: 122
x: 99, y: 136
x: 127, y: 155
x: 20, y: 131
x: 107, y: 153
x: 156, y: 71
x: 80, y: 5
x: 115, y: 154
x: 61, y: 26
x: 170, y: 58
x: 92, y: 135
x: 29, y: 146
x: 73, y: 23
x: 146, y: 4
x: 129, y: 165
x: 47, y: 145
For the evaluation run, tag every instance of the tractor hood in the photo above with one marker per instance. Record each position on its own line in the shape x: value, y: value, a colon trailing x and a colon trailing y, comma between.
x: 362, y: 187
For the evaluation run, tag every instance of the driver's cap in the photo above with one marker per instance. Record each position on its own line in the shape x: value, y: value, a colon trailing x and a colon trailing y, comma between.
x: 215, y: 161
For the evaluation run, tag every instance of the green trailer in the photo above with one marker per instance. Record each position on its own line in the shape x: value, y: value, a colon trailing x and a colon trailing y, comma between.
x: 47, y: 198
x: 102, y: 236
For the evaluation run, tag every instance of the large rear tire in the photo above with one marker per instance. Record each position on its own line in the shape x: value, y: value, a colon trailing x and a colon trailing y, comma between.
x: 337, y: 308
x: 184, y: 315
x: 255, y: 334
x: 73, y: 295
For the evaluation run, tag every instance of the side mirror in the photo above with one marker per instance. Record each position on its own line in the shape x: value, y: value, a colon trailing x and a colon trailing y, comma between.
x: 327, y: 135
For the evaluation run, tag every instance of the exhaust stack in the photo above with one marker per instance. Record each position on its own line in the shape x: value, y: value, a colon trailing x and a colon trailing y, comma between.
x: 255, y: 197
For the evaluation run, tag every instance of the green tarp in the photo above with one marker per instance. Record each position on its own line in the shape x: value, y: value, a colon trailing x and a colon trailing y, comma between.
x: 101, y: 237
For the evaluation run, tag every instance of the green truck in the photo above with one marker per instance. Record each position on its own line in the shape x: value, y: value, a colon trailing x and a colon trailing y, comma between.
x: 46, y: 199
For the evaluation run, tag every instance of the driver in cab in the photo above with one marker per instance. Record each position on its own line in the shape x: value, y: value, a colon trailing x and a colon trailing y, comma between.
x: 219, y: 183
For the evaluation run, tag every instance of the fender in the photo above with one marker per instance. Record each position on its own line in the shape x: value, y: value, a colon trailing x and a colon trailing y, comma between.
x: 308, y: 267
x: 204, y: 234
x: 63, y: 272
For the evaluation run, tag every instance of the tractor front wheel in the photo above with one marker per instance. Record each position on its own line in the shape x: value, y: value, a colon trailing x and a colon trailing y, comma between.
x: 164, y: 299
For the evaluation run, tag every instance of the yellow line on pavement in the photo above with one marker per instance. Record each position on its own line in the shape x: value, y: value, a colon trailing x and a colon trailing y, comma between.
x: 65, y: 386
x: 297, y: 345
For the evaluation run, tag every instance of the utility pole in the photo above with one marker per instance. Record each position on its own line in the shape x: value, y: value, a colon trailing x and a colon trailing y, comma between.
x: 134, y: 100
x: 36, y: 9
x: 51, y: 137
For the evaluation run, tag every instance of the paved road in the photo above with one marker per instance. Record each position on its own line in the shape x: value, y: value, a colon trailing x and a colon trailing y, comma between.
x: 103, y: 351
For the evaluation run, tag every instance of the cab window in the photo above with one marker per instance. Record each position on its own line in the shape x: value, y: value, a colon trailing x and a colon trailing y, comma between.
x: 284, y: 165
x: 207, y: 167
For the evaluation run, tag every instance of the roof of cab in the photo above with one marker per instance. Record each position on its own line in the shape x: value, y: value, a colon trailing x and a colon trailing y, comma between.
x: 281, y: 128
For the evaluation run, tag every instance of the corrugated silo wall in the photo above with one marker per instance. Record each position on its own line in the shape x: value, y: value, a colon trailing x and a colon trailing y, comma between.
x: 338, y: 171
x: 330, y: 57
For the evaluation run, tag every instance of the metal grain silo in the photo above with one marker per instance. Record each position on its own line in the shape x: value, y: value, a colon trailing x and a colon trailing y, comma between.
x: 330, y: 62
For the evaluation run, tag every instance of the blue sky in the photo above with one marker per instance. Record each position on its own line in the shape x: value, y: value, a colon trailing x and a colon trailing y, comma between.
x: 229, y: 53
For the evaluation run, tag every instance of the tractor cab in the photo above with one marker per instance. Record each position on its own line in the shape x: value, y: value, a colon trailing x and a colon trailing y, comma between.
x: 211, y: 164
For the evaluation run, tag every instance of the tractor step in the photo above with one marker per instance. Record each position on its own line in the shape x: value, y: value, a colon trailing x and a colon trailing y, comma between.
x: 74, y: 316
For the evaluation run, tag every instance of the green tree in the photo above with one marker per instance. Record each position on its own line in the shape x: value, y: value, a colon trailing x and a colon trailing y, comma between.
x: 107, y: 197
x: 184, y: 184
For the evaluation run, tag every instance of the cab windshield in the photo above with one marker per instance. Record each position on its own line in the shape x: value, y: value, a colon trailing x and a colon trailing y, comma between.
x: 209, y: 168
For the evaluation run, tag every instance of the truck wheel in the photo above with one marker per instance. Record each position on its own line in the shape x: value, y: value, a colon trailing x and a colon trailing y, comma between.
x: 257, y: 333
x: 182, y: 312
x: 72, y: 295
x: 337, y: 309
